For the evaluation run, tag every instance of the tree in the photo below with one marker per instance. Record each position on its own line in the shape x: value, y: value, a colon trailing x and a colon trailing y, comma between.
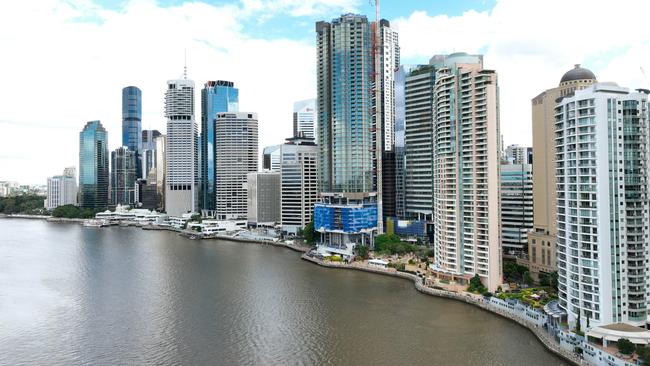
x: 625, y: 346
x: 475, y: 285
x: 578, y: 326
x: 644, y: 355
x: 553, y: 281
x: 308, y: 233
x: 362, y: 251
x: 527, y: 278
x: 544, y: 279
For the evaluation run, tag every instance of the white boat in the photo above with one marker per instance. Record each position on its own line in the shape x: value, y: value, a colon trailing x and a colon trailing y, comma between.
x: 94, y: 223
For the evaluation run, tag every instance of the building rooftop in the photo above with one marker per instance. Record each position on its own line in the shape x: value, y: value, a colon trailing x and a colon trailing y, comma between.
x: 577, y: 73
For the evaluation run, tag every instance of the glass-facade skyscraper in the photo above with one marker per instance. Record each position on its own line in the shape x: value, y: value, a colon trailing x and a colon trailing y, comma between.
x: 216, y: 97
x: 123, y: 174
x: 93, y: 166
x: 132, y: 122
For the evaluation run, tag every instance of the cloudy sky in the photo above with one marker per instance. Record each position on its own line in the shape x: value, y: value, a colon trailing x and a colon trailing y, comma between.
x: 64, y: 62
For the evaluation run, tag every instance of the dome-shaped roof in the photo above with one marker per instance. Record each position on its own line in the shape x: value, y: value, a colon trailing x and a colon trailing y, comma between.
x: 577, y: 73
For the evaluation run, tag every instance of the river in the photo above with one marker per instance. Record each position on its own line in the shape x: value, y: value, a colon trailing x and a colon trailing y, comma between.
x: 111, y: 296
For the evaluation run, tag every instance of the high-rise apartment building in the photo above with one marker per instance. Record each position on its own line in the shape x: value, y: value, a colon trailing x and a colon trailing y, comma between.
x: 62, y: 189
x: 516, y: 207
x: 400, y: 161
x: 216, y: 97
x: 263, y: 198
x: 123, y: 173
x: 181, y: 173
x: 542, y: 239
x: 602, y: 142
x: 347, y: 133
x: 516, y: 154
x: 236, y: 151
x: 466, y: 172
x: 93, y: 166
x: 299, y: 181
x: 419, y: 133
x: 132, y: 123
x: 304, y: 118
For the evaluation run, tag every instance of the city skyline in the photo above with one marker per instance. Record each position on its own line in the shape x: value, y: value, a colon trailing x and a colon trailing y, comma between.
x: 232, y: 50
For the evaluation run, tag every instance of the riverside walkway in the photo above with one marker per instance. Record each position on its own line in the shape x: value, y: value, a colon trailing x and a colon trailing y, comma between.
x: 477, y: 300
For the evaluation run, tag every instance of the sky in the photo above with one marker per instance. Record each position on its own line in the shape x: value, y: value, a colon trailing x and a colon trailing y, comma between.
x: 65, y: 62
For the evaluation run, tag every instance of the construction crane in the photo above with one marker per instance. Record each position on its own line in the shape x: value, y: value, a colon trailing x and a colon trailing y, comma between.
x: 378, y: 130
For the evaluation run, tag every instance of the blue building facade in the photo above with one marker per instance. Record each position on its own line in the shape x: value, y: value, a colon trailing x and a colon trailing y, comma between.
x: 132, y: 123
x: 93, y: 166
x: 216, y: 97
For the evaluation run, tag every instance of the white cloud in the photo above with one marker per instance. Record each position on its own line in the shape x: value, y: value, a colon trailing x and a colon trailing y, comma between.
x: 62, y: 70
x: 531, y: 44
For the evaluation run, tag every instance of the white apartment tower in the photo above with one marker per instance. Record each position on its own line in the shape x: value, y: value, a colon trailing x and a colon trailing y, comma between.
x: 601, y: 140
x: 62, y: 189
x: 235, y: 156
x: 466, y: 169
x: 181, y: 172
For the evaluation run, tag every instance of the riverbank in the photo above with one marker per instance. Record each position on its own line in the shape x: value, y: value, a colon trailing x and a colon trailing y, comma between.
x: 547, y: 341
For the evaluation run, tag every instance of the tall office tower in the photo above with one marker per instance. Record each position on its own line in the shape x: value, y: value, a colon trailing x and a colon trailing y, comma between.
x: 148, y: 153
x: 123, y: 173
x: 466, y: 169
x: 345, y: 98
x: 542, y: 239
x: 161, y: 165
x: 235, y: 156
x: 271, y: 158
x: 418, y: 140
x: 516, y: 207
x: 299, y: 182
x: 263, y: 198
x: 181, y: 173
x: 304, y: 118
x: 62, y: 189
x: 132, y: 123
x: 216, y: 97
x: 602, y: 204
x: 93, y: 166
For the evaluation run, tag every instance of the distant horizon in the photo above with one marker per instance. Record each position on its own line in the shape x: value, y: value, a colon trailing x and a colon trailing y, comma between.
x: 74, y: 71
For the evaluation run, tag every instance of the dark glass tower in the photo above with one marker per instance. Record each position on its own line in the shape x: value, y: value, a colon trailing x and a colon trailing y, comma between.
x: 132, y: 123
x: 216, y: 97
x: 93, y: 166
x: 123, y: 176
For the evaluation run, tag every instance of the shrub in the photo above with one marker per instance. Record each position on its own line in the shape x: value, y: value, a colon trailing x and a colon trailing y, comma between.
x: 625, y: 346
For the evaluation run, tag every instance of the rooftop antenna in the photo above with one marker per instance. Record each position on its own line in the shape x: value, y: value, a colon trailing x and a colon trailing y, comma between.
x: 185, y: 63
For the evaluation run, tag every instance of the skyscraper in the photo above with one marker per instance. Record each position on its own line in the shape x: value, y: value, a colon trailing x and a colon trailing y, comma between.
x: 298, y: 172
x: 466, y: 165
x: 62, y: 189
x: 161, y: 166
x: 601, y: 157
x: 304, y: 118
x: 148, y: 153
x: 181, y: 173
x: 216, y: 97
x: 235, y: 156
x: 264, y: 198
x: 132, y: 122
x: 542, y: 239
x: 350, y: 141
x: 516, y: 154
x: 271, y: 156
x: 516, y: 207
x: 419, y: 133
x: 93, y: 166
x: 123, y: 173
